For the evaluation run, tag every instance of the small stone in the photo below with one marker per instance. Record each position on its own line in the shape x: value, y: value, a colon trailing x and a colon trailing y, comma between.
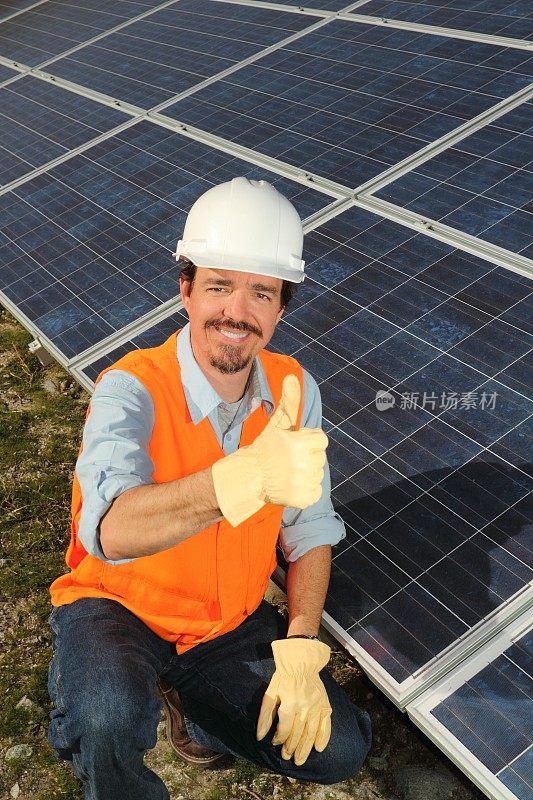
x: 25, y: 702
x: 50, y: 385
x: 3, y: 562
x: 15, y: 791
x: 419, y: 783
x: 18, y: 751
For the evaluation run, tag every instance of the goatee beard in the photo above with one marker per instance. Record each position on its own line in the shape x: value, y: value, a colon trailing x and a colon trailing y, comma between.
x: 232, y: 363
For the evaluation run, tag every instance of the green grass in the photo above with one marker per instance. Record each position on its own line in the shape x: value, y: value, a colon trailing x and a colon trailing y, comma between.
x: 39, y: 435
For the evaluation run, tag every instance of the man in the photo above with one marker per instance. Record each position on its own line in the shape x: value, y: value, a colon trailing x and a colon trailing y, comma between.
x: 196, y: 456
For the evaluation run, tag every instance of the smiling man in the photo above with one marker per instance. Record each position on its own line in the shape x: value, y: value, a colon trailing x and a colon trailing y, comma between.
x: 198, y: 456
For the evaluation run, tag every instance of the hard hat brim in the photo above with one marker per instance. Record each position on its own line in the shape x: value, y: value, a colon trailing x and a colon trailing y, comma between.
x: 294, y: 274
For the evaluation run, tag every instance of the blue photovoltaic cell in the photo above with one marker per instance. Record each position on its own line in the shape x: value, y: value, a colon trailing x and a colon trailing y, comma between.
x: 152, y: 337
x: 491, y: 716
x: 40, y: 121
x: 496, y: 17
x: 54, y: 27
x: 482, y: 186
x: 173, y: 49
x: 435, y: 490
x: 6, y: 73
x: 85, y: 248
x: 349, y: 100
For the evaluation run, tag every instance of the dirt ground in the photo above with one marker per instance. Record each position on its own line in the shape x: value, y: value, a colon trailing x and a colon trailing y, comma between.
x: 41, y: 417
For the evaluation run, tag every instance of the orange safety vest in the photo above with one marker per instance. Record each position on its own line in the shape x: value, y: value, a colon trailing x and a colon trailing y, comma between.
x: 208, y: 584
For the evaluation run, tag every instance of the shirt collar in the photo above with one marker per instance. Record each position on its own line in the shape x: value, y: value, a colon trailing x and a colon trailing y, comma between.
x: 201, y: 397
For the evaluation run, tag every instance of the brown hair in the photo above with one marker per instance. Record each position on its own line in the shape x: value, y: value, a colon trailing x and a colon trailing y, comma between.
x: 188, y: 273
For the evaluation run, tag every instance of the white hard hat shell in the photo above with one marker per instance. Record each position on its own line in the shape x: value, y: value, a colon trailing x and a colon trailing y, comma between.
x: 245, y: 225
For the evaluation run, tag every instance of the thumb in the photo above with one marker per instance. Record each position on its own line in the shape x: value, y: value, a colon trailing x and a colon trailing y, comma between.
x: 286, y: 413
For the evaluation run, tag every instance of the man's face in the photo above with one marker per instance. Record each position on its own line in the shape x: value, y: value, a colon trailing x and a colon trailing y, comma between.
x: 232, y: 316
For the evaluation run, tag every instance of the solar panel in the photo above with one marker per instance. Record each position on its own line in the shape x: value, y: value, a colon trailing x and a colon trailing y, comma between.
x: 482, y: 186
x: 176, y: 48
x: 502, y: 18
x: 86, y: 247
x: 483, y: 714
x: 40, y: 121
x: 53, y: 28
x: 423, y: 483
x: 152, y: 336
x: 349, y: 100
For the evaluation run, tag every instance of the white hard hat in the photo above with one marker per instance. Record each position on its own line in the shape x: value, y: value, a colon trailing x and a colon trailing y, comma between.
x: 245, y: 225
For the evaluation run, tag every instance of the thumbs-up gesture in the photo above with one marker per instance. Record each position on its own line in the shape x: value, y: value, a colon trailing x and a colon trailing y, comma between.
x: 281, y: 466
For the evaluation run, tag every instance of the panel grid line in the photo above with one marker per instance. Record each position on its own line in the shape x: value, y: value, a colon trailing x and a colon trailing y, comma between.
x: 526, y: 750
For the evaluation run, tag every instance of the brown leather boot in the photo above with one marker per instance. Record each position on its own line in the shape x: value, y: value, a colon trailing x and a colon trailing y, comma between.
x: 178, y: 737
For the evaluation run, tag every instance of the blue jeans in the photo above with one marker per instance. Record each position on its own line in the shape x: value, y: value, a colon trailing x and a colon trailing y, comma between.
x: 106, y: 710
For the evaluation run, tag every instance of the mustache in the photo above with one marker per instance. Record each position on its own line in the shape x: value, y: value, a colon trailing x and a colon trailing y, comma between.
x: 230, y: 324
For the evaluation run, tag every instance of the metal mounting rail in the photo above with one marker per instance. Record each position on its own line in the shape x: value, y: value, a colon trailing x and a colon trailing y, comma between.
x: 435, y: 30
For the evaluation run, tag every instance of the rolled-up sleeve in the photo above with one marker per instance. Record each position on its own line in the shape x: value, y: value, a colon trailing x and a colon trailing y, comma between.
x: 304, y: 529
x: 115, y: 451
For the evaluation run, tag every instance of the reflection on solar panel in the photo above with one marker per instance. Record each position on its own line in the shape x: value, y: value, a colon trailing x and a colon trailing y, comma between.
x: 87, y: 244
x: 153, y: 336
x: 482, y: 185
x: 40, y: 121
x: 349, y: 100
x: 423, y: 484
x: 504, y: 18
x: 483, y: 715
x: 173, y: 49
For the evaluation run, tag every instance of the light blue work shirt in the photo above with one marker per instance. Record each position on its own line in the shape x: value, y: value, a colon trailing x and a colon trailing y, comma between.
x: 118, y: 430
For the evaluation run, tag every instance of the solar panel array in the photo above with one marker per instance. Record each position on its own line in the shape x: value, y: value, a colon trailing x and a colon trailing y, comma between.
x: 402, y: 133
x: 349, y: 100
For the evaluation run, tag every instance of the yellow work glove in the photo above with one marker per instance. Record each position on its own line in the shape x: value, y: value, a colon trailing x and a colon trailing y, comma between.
x: 297, y: 693
x: 281, y: 466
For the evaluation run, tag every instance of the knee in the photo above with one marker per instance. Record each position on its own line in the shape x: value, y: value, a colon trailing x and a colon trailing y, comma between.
x: 119, y: 715
x: 345, y: 753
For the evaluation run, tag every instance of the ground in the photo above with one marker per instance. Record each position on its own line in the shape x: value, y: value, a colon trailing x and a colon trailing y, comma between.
x: 41, y: 418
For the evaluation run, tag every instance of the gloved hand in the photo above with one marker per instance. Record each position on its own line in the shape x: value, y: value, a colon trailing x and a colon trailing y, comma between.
x: 299, y: 696
x: 281, y: 466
